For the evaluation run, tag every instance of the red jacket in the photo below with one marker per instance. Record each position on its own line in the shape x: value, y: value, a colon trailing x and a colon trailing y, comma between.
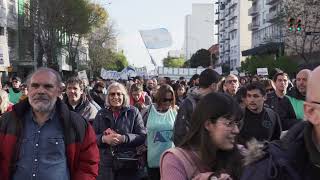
x: 81, y: 148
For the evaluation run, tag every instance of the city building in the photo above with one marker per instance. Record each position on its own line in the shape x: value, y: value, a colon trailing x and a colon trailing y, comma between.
x: 8, y: 33
x: 199, y: 29
x: 233, y: 34
x: 267, y: 32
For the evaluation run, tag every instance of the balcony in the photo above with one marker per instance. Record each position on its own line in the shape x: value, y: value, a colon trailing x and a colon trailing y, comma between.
x: 217, y: 22
x: 232, y: 15
x: 222, y: 7
x: 272, y: 16
x: 233, y: 3
x: 253, y: 11
x: 233, y: 26
x: 253, y: 26
x: 271, y: 2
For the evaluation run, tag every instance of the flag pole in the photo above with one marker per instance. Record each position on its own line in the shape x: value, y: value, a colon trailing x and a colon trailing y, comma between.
x: 152, y: 60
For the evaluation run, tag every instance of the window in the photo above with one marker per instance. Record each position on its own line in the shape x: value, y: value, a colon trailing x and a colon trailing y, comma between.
x: 1, y: 31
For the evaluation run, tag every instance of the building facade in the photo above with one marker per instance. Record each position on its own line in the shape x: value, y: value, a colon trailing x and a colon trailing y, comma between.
x: 199, y: 29
x: 234, y: 36
x: 8, y: 33
x: 267, y: 33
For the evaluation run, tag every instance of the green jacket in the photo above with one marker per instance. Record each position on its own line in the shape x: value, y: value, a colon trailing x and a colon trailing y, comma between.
x: 297, y: 105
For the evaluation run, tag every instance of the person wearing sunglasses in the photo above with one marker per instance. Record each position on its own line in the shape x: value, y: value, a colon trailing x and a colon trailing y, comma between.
x: 231, y: 84
x: 159, y: 119
x: 209, y: 150
x: 119, y: 130
x: 297, y: 154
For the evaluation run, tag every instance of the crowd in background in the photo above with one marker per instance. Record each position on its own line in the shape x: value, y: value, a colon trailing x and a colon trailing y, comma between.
x: 202, y: 128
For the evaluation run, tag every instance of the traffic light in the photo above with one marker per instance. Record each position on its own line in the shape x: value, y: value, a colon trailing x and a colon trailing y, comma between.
x: 291, y: 24
x: 299, y: 25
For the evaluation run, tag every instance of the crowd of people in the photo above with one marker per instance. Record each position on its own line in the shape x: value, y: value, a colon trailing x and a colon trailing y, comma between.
x: 208, y: 127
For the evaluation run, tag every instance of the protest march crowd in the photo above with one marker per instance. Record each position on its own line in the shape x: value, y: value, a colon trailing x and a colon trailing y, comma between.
x: 207, y: 128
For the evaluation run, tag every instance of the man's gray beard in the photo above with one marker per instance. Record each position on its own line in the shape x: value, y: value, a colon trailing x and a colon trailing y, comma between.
x: 45, y: 109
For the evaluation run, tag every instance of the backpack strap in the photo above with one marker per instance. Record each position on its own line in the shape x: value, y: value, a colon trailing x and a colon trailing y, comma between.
x: 193, y: 102
x: 188, y: 160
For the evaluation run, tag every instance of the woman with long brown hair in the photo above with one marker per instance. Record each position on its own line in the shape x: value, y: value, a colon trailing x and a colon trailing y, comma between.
x: 209, y: 150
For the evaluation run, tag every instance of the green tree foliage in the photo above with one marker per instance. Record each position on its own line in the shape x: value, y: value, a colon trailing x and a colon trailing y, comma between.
x: 61, y: 24
x: 284, y: 63
x: 202, y: 58
x: 101, y: 46
x: 173, y: 62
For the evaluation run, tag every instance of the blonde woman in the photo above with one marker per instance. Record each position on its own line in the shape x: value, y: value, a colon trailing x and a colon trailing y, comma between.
x: 5, y: 104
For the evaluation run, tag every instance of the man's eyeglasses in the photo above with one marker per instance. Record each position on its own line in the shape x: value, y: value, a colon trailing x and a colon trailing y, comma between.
x: 114, y: 94
x: 167, y: 99
x: 231, y: 81
x: 231, y: 124
x: 314, y: 102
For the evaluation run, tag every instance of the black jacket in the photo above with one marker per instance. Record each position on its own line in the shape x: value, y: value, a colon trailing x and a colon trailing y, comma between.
x: 283, y: 107
x: 183, y: 119
x: 294, y: 157
x: 129, y: 123
x: 267, y: 128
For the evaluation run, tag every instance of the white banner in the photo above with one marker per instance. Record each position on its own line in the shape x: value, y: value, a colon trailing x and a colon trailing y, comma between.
x: 156, y: 38
x: 262, y: 71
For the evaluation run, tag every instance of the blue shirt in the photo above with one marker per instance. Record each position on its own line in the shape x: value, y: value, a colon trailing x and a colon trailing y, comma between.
x: 42, y: 152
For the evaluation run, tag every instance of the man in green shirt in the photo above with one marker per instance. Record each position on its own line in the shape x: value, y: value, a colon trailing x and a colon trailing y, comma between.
x: 14, y: 91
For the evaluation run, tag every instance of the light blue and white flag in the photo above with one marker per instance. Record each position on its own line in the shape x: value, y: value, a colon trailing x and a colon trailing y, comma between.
x: 156, y: 38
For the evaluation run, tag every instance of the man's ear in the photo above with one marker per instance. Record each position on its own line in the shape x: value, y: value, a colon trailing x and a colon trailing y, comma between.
x: 207, y: 124
x: 310, y: 114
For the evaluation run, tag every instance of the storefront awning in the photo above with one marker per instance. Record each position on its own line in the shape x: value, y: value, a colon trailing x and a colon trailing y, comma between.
x: 269, y: 48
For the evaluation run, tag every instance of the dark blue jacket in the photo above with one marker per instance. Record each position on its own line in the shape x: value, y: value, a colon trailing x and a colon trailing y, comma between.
x: 129, y: 123
x: 292, y: 158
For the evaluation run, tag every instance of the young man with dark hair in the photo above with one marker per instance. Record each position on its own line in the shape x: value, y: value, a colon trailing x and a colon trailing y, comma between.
x: 259, y: 122
x: 208, y: 81
x: 280, y: 103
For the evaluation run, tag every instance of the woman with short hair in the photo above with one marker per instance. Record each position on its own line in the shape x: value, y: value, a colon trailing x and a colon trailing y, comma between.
x: 120, y: 130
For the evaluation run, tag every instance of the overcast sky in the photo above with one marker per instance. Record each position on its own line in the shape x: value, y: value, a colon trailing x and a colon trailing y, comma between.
x: 130, y: 16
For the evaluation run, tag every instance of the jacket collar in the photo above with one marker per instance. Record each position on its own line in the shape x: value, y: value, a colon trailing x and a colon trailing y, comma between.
x: 314, y: 154
x: 61, y: 108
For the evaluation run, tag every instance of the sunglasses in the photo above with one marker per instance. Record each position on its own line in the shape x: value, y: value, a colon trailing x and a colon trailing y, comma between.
x: 232, y: 81
x: 114, y: 94
x: 167, y: 100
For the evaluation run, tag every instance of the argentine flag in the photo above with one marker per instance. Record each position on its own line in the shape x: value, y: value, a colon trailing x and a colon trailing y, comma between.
x: 156, y: 38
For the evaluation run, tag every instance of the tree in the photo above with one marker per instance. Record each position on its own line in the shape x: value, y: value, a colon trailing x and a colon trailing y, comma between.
x: 297, y: 42
x: 59, y: 26
x: 173, y: 62
x: 284, y: 63
x: 202, y: 58
x: 101, y: 50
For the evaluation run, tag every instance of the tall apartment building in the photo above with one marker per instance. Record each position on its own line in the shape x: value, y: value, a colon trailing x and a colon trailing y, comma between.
x: 267, y: 33
x: 233, y: 33
x: 199, y: 29
x: 8, y: 33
